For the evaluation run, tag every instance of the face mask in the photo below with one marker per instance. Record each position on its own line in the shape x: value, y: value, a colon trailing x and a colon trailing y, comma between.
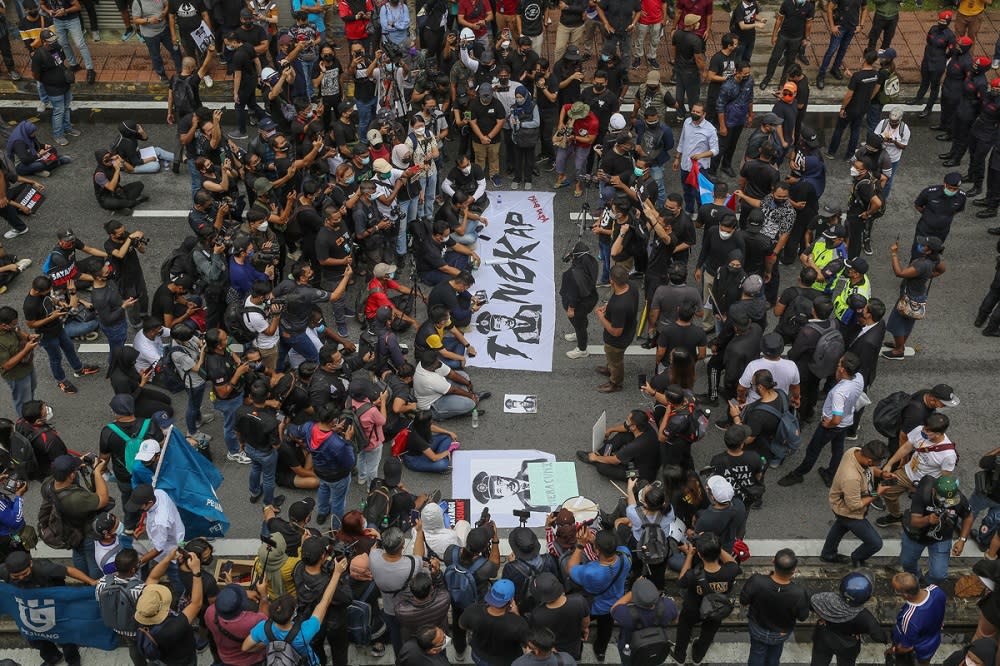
x: 505, y: 81
x: 855, y: 172
x: 263, y: 227
x: 638, y: 172
x: 695, y: 118
x: 920, y: 250
x: 350, y: 181
x: 599, y: 87
x: 447, y: 642
x: 384, y: 176
x: 725, y: 235
x: 968, y: 660
x: 366, y: 160
x: 120, y: 529
x: 48, y: 413
x: 950, y: 193
x: 33, y: 14
x: 505, y: 45
x: 466, y: 170
x: 321, y: 328
x: 328, y: 58
x: 605, y: 57
x: 247, y: 25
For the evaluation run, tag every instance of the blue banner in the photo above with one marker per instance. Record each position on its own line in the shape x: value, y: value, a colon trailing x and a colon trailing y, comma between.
x: 58, y: 614
x: 191, y: 479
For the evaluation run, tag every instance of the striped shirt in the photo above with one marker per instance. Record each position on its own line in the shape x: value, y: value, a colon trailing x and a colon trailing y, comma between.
x: 918, y: 625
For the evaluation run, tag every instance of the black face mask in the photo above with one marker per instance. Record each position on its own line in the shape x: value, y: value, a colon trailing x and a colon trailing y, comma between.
x: 247, y: 24
x: 598, y: 88
x: 33, y: 15
x: 328, y: 58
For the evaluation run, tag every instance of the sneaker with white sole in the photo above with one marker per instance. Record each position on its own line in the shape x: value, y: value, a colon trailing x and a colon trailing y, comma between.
x: 577, y: 353
x: 207, y: 80
x: 207, y: 417
x: 238, y: 457
x: 569, y: 337
x: 14, y: 233
x: 22, y: 264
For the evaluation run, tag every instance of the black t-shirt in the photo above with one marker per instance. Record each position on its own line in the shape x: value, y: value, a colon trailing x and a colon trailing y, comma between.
x: 725, y: 523
x: 243, y: 60
x: 39, y: 307
x: 466, y: 183
x: 689, y: 338
x: 128, y: 267
x: 847, y: 13
x: 688, y: 46
x: 565, y: 622
x: 762, y: 424
x: 113, y: 445
x: 209, y: 586
x: 44, y: 573
x: 485, y: 116
x: 532, y: 17
x: 162, y: 302
x: 257, y: 426
x: 622, y: 311
x: 496, y: 640
x: 761, y: 178
x: 863, y: 83
x: 804, y: 191
x: 219, y: 368
x: 795, y: 18
x: 724, y: 65
x: 923, y: 505
x: 774, y: 606
x: 915, y: 412
x: 644, y: 453
x: 175, y: 638
x: 741, y: 471
x: 252, y: 37
x: 429, y: 255
x: 332, y: 244
x: 615, y: 164
x: 188, y: 16
x: 719, y: 582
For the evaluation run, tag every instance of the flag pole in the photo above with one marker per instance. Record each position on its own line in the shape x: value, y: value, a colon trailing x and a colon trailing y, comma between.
x: 163, y: 451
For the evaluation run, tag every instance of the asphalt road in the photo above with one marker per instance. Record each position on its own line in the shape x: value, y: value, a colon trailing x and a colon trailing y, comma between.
x: 949, y: 349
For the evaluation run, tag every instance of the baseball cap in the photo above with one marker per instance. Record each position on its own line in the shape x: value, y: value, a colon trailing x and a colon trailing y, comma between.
x: 572, y: 52
x: 267, y: 73
x: 644, y: 593
x: 833, y: 210
x: 262, y: 185
x: 466, y: 33
x: 65, y: 465
x: 546, y: 587
x: 835, y: 231
x: 859, y: 264
x: 382, y: 270
x: 312, y: 549
x: 770, y: 119
x: 147, y: 450
x: 48, y: 36
x: 652, y: 77
x: 230, y: 601
x: 104, y: 522
x: 301, y: 509
x: 141, y: 494
x: 946, y: 490
x: 392, y: 471
x: 123, y: 404
x: 752, y: 285
x: 721, y: 489
x: 933, y: 242
x: 945, y: 16
x: 809, y: 137
x: 17, y: 561
x: 381, y: 166
x: 153, y: 605
x: 887, y: 54
x: 965, y: 40
x: 374, y: 137
x: 501, y: 593
x: 946, y: 394
x: 183, y: 280
x: 617, y: 122
x: 434, y: 342
x: 66, y: 234
x: 485, y: 90
x: 266, y: 124
x: 896, y: 114
x: 772, y: 343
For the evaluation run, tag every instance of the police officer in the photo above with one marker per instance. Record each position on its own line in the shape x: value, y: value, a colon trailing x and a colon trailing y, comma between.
x: 938, y: 205
x: 959, y: 66
x: 863, y: 207
x: 843, y: 619
x: 992, y: 199
x: 851, y: 281
x: 939, y: 37
x: 826, y: 256
x: 984, y: 136
x: 829, y: 215
x: 973, y: 90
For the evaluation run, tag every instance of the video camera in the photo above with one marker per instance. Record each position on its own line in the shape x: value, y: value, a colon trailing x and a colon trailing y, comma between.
x: 522, y: 516
x: 392, y: 52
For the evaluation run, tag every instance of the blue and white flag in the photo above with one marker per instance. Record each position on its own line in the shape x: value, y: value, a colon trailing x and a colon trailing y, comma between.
x: 58, y: 614
x: 190, y: 480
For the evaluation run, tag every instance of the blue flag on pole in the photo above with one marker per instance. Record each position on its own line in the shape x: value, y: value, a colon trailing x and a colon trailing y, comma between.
x: 190, y: 479
x: 57, y: 614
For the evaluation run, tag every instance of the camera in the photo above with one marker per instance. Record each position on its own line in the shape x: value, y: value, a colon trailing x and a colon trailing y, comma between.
x: 12, y: 484
x: 392, y: 52
x: 142, y: 241
x: 266, y: 256
x: 481, y: 297
x: 522, y: 515
x: 484, y: 518
x: 89, y: 458
x: 630, y: 472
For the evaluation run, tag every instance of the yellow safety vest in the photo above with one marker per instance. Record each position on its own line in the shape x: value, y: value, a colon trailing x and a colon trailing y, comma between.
x: 846, y: 289
x: 821, y: 256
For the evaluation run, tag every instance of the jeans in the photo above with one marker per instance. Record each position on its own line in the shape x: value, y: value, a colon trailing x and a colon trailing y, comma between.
x: 61, y: 122
x: 366, y: 111
x: 72, y: 29
x: 195, y: 397
x: 822, y: 436
x: 938, y: 554
x: 855, y: 123
x: 368, y: 464
x: 692, y: 197
x: 688, y: 88
x: 838, y: 45
x: 241, y: 110
x: 450, y: 406
x: 656, y: 173
x: 301, y: 343
x: 604, y: 253
x: 263, y: 465
x: 765, y: 646
x: 154, y: 43
x: 979, y: 503
x: 888, y: 183
x: 55, y: 347
x: 154, y: 166
x: 579, y: 155
x: 430, y: 184
x: 228, y: 408
x: 116, y: 335
x: 83, y: 559
x: 421, y: 463
x: 871, y: 542
x: 78, y: 329
x: 22, y: 390
x: 332, y: 496
x: 452, y: 344
x: 195, y: 177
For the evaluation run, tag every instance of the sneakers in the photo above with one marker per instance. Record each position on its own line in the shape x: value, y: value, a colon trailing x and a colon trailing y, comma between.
x: 653, y: 63
x: 528, y: 185
x: 201, y: 438
x: 61, y: 140
x: 515, y: 185
x: 72, y: 131
x: 14, y: 233
x: 206, y: 417
x: 128, y: 34
x: 867, y: 245
x: 889, y: 520
x: 89, y: 337
x: 67, y: 387
x: 892, y: 355
x: 571, y: 337
x: 96, y: 35
x: 497, y: 180
x: 88, y: 369
x: 577, y: 353
x: 91, y: 76
x: 637, y: 63
x: 790, y: 479
x: 238, y: 457
x: 208, y: 81
x: 256, y: 497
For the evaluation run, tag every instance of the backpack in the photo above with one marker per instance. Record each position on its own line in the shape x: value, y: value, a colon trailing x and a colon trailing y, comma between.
x: 829, y: 348
x: 180, y: 261
x: 165, y: 374
x: 653, y: 546
x: 283, y: 652
x: 461, y: 581
x: 145, y: 640
x: 795, y: 316
x: 19, y: 455
x: 54, y: 531
x: 118, y: 605
x: 890, y: 89
x: 235, y: 322
x: 888, y: 413
x: 522, y: 594
x: 378, y: 503
x: 649, y: 645
x: 988, y: 527
x: 131, y: 443
x: 715, y: 606
x: 787, y: 436
x: 361, y: 436
x: 183, y: 96
x: 359, y: 618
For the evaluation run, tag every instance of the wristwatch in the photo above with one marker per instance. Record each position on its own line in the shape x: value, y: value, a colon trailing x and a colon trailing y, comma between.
x: 963, y: 539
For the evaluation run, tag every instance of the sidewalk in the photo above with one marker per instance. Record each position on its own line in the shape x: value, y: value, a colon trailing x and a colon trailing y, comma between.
x: 124, y: 72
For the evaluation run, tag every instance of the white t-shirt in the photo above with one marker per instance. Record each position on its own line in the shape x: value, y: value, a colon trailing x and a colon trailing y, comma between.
x: 164, y: 526
x: 150, y: 351
x: 784, y: 372
x: 901, y: 134
x: 429, y: 385
x: 841, y: 400
x: 928, y: 463
x: 257, y: 322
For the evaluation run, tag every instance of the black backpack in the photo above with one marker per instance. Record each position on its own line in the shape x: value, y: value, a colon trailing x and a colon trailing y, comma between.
x: 180, y: 261
x: 715, y: 606
x: 829, y: 349
x: 653, y: 547
x: 648, y: 646
x: 19, y: 455
x: 235, y: 321
x: 378, y: 503
x: 888, y: 413
x: 183, y: 96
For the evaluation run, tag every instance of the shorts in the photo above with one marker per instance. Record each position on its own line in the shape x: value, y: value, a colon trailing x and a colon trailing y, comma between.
x: 285, y: 478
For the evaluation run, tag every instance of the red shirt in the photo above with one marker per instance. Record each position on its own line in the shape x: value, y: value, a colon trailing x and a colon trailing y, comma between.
x: 377, y: 295
x: 652, y: 12
x: 508, y: 7
x: 466, y: 9
x: 354, y: 29
x: 702, y: 8
x: 586, y: 126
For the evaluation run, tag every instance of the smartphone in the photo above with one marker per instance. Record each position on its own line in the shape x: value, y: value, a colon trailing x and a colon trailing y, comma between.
x: 891, y: 481
x: 732, y: 401
x: 226, y: 567
x: 642, y: 381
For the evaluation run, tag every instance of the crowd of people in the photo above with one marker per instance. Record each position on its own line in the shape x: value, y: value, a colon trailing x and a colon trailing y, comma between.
x: 364, y: 187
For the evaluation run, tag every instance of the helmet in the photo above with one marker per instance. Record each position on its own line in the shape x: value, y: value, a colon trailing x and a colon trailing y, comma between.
x: 982, y: 62
x: 965, y: 41
x: 945, y: 16
x: 467, y: 33
x: 856, y: 588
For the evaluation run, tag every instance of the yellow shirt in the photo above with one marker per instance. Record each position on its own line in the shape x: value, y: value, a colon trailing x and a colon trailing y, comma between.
x: 972, y: 7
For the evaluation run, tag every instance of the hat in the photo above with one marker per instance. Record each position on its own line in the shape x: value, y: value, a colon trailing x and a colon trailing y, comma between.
x: 17, y: 561
x: 721, y: 489
x: 301, y: 509
x: 49, y: 36
x: 153, y: 605
x: 141, y: 495
x: 953, y: 178
x: 572, y: 53
x: 739, y: 317
x: 383, y: 270
x: 381, y: 166
x: 859, y: 264
x: 147, y: 450
x: 523, y: 543
x: 65, y: 465
x: 946, y: 490
x: 772, y: 343
x: 617, y: 122
x: 945, y: 16
x: 374, y: 137
x: 887, y: 54
x: 123, y: 404
x: 770, y: 119
x: 163, y: 420
x: 384, y: 314
x: 266, y: 124
x: 874, y: 140
x: 945, y: 394
x: 644, y: 593
x: 267, y: 73
x: 184, y: 280
x: 933, y: 242
x: 809, y: 137
x: 344, y: 107
x: 691, y: 20
x: 485, y: 90
x: 578, y: 111
x: 546, y: 587
x: 104, y: 522
x: 753, y: 284
x: 434, y: 342
x: 66, y: 234
x: 312, y: 549
x: 466, y: 33
x: 501, y: 593
x: 230, y: 601
x: 896, y: 114
x: 392, y: 471
x: 833, y: 210
x: 835, y: 231
x: 478, y: 539
x: 790, y: 86
x: 652, y: 77
x: 737, y: 433
x: 965, y: 40
x: 262, y: 185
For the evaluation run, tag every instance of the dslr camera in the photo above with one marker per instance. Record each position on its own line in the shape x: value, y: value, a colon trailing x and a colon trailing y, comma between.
x: 11, y: 484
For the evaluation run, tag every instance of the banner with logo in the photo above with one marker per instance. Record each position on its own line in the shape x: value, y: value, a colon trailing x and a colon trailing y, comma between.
x: 515, y: 328
x: 58, y: 614
x: 191, y: 480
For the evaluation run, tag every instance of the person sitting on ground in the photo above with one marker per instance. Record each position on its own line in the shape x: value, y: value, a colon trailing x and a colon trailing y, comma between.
x: 29, y: 156
x: 111, y: 193
x: 127, y: 147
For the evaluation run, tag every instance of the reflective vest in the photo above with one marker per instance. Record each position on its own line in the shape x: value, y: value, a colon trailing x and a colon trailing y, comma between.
x: 844, y: 291
x: 823, y: 255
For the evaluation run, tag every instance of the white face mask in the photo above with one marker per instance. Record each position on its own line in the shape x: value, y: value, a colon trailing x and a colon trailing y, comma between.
x: 466, y: 170
x: 855, y: 172
x: 725, y: 235
x: 48, y: 413
x: 120, y: 530
x: 968, y: 662
x: 263, y: 227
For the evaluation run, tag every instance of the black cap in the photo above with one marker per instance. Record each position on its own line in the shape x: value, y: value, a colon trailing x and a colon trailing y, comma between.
x: 478, y: 539
x: 312, y: 549
x: 65, y: 465
x: 66, y: 234
x: 933, y: 242
x: 141, y: 495
x: 524, y: 543
x: 772, y: 344
x: 301, y: 509
x: 859, y: 264
x: 17, y: 561
x: 546, y: 587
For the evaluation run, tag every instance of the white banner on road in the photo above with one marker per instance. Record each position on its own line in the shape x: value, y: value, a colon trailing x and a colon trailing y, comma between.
x: 514, y: 330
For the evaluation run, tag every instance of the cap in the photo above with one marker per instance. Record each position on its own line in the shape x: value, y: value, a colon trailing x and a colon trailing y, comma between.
x: 65, y: 465
x: 262, y: 185
x: 753, y: 284
x: 17, y: 561
x: 772, y: 343
x: 933, y: 242
x: 721, y: 489
x: 374, y: 137
x: 946, y: 490
x: 644, y: 593
x: 246, y: 14
x: 163, y: 420
x: 153, y: 605
x: 856, y: 302
x: 737, y: 433
x: 835, y: 231
x: 887, y: 54
x: 523, y: 543
x: 809, y: 137
x: 896, y: 114
x: 995, y: 83
x: 790, y: 86
x: 147, y: 450
x: 381, y: 166
x: 953, y: 178
x: 266, y: 124
x: 478, y: 539
x: 123, y: 404
x: 466, y: 33
x: 691, y: 20
x: 546, y: 587
x: 184, y: 280
x: 66, y: 234
x: 501, y: 593
x: 301, y: 509
x: 617, y: 122
x: 946, y: 395
x: 965, y: 40
x: 770, y: 119
x: 652, y: 77
x: 383, y: 270
x: 578, y: 111
x: 572, y: 53
x: 982, y: 62
x: 141, y: 494
x: 383, y: 314
x: 740, y: 317
x: 48, y: 36
x: 230, y: 601
x: 485, y: 90
x: 434, y: 342
x: 833, y: 210
x: 859, y: 264
x: 312, y: 549
x: 344, y: 107
x: 267, y: 73
x: 945, y: 15
x: 104, y: 522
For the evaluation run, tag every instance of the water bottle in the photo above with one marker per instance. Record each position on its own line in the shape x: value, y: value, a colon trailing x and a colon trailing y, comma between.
x: 475, y: 417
